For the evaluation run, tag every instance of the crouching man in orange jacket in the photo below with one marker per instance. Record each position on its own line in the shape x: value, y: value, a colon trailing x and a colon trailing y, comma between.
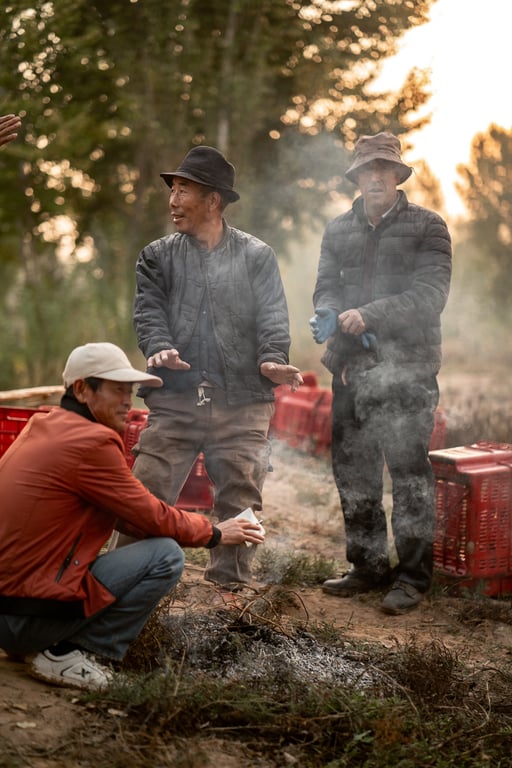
x: 64, y: 486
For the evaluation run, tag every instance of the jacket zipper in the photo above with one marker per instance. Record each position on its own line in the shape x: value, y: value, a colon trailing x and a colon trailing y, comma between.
x: 68, y: 558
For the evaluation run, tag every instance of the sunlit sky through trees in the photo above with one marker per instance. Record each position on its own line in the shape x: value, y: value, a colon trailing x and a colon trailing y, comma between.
x: 467, y: 47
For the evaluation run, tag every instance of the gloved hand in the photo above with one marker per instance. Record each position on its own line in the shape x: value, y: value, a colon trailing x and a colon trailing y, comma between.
x: 323, y: 324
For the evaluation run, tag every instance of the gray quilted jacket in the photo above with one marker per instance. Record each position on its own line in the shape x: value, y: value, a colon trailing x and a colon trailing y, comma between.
x: 247, y: 305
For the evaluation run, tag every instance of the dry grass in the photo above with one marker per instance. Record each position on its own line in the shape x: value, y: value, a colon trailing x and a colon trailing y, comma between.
x: 478, y: 407
x: 226, y: 682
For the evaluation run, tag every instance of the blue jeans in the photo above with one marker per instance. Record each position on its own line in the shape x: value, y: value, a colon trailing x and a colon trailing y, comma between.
x: 139, y: 575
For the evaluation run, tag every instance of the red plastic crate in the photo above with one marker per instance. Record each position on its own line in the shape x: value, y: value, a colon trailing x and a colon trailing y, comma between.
x: 196, y: 494
x: 302, y: 418
x: 473, y: 537
x: 12, y: 421
x: 137, y: 420
x: 293, y: 419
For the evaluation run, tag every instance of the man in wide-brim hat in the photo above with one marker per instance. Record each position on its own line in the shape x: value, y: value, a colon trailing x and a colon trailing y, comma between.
x: 212, y: 321
x: 384, y: 147
x: 382, y: 283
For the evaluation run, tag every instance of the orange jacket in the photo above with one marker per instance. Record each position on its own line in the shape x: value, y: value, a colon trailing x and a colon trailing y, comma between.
x: 64, y: 486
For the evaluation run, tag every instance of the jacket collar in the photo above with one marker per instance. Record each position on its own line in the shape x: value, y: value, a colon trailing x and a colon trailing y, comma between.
x: 70, y: 403
x: 401, y: 204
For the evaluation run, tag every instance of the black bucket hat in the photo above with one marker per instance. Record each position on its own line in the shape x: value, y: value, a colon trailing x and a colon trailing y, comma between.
x: 382, y: 146
x: 207, y: 166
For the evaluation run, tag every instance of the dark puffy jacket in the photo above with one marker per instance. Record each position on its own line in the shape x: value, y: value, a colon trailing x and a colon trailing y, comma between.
x: 246, y: 299
x: 397, y: 275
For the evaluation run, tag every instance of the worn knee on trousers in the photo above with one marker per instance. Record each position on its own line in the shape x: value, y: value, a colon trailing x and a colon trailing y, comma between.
x: 168, y: 559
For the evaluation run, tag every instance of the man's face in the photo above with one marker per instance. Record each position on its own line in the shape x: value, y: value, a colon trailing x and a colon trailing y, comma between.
x: 377, y: 181
x: 190, y: 207
x: 109, y: 404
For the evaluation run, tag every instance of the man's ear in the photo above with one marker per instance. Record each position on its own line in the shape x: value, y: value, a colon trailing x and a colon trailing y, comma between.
x: 80, y: 388
x: 215, y: 200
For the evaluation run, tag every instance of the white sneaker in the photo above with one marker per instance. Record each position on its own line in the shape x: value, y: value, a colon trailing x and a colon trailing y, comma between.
x: 74, y: 669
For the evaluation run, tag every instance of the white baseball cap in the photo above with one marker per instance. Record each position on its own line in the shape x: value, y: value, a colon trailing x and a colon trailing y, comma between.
x: 104, y: 361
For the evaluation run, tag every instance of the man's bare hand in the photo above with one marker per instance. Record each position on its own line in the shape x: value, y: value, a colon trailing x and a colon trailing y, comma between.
x: 168, y: 358
x: 238, y: 531
x: 9, y: 127
x: 282, y: 374
x: 352, y: 322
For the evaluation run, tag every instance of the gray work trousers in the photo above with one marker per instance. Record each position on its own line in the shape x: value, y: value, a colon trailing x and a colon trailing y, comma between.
x: 370, y: 428
x: 236, y: 449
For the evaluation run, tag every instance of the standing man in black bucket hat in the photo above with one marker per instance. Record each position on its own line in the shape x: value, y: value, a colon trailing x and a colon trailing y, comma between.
x: 212, y: 321
x: 382, y: 283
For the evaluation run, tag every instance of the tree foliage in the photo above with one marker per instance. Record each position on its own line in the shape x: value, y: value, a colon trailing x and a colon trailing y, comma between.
x: 486, y: 189
x: 112, y: 92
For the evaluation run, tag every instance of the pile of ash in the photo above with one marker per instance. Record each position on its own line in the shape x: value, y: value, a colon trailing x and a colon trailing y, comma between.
x: 235, y: 648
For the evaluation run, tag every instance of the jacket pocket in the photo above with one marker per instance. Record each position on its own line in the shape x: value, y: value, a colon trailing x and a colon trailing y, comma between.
x: 68, y: 558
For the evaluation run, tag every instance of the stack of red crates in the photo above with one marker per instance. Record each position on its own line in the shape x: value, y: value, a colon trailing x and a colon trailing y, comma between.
x: 473, y: 538
x: 196, y: 494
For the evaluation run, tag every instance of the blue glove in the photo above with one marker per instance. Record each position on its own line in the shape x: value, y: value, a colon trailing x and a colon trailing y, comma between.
x: 323, y: 324
x: 369, y: 340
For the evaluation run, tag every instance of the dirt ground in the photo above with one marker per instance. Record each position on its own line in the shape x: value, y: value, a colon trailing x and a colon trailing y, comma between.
x: 301, y: 515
